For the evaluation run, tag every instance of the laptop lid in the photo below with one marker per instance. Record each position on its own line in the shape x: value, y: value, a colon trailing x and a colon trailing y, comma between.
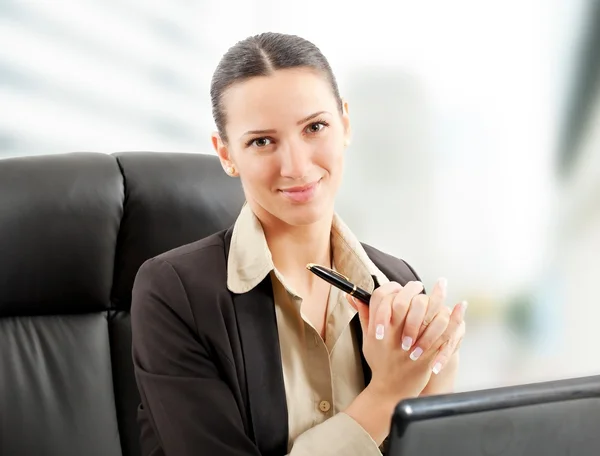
x: 550, y: 419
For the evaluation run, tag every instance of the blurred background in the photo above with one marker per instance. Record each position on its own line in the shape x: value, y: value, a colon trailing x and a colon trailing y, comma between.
x: 476, y: 149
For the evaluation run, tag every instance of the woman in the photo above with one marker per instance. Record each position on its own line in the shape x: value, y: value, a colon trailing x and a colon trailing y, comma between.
x: 238, y: 349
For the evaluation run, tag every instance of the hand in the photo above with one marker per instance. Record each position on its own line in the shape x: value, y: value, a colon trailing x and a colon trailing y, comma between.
x: 443, y: 383
x: 396, y: 375
x: 392, y: 320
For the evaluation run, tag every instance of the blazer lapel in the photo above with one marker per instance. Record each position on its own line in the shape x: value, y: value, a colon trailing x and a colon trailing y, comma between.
x: 257, y: 326
x: 265, y: 388
x: 359, y: 338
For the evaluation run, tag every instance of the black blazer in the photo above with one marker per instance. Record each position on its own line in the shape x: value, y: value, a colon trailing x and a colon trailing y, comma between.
x: 207, y: 361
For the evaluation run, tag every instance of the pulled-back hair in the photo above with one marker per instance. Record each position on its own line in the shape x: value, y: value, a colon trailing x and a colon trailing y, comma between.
x: 261, y: 55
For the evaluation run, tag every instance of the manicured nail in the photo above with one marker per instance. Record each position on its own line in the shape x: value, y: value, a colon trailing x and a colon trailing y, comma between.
x: 416, y: 353
x: 463, y: 308
x: 379, y: 332
x: 406, y: 343
x: 437, y: 368
x: 443, y: 284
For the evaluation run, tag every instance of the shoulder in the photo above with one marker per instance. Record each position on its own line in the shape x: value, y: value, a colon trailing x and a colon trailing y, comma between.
x: 184, y: 279
x: 204, y: 257
x: 395, y: 269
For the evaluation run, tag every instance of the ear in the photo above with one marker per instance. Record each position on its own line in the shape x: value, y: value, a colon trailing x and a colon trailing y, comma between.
x: 223, y: 153
x: 346, y: 123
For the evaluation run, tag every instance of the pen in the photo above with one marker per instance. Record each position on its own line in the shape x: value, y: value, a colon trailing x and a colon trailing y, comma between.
x: 341, y: 282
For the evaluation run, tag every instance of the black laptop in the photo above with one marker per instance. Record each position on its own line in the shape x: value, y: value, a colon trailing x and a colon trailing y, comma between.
x: 557, y: 418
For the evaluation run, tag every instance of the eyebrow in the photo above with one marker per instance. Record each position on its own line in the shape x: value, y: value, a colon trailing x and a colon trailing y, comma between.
x: 271, y: 131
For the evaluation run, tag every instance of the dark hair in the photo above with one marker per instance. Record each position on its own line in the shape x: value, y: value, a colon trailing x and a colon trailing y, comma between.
x: 261, y: 55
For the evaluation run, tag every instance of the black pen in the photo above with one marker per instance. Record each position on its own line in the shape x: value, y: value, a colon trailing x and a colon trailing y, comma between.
x: 341, y: 282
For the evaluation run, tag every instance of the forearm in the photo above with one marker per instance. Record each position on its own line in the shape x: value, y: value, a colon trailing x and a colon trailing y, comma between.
x: 339, y: 435
x: 373, y: 413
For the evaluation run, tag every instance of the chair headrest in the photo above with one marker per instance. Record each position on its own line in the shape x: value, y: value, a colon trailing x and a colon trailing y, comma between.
x: 171, y: 199
x: 74, y: 228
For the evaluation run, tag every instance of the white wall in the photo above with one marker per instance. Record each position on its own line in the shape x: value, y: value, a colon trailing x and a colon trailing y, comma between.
x: 456, y: 109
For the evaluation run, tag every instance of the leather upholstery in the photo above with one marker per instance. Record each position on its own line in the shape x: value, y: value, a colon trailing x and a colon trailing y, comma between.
x: 74, y: 229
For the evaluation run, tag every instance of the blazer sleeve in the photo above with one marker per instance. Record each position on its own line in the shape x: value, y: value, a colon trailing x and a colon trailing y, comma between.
x: 191, y: 409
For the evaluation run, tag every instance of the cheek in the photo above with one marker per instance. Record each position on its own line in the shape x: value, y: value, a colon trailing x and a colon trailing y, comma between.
x: 331, y: 155
x: 259, y: 173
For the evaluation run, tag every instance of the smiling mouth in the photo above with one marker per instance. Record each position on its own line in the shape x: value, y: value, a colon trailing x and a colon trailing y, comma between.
x: 301, y: 194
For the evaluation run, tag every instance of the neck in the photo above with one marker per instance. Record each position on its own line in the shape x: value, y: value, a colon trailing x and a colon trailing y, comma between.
x: 293, y: 247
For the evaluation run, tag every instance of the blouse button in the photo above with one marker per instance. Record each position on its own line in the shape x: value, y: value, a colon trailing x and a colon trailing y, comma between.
x: 324, y: 406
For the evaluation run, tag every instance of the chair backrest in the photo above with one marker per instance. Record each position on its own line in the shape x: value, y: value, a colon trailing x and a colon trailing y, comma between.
x: 74, y: 229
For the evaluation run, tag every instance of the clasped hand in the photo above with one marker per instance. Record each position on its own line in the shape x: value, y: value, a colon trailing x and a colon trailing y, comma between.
x: 408, y: 335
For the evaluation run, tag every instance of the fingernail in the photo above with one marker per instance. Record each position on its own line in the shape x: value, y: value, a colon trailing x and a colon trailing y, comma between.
x: 443, y: 284
x: 379, y: 332
x: 437, y: 368
x: 416, y: 353
x: 463, y: 308
x: 406, y: 343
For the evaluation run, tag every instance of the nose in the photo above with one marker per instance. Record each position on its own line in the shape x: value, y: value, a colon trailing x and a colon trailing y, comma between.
x: 296, y: 159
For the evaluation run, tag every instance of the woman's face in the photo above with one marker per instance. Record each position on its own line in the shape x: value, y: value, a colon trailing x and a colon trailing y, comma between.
x: 286, y: 141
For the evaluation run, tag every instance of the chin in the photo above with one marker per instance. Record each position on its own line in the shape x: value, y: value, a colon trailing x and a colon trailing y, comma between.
x: 301, y: 215
x: 301, y: 219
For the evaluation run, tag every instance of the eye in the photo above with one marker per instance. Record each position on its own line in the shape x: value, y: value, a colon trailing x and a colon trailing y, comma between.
x: 316, y: 127
x: 259, y: 142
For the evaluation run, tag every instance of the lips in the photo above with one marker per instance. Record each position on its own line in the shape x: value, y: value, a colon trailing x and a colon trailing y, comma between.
x: 301, y: 194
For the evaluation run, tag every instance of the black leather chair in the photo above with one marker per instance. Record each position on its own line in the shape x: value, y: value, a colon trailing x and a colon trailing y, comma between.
x: 74, y: 229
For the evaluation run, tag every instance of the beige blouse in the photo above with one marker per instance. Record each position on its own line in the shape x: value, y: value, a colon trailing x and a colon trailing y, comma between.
x: 321, y: 377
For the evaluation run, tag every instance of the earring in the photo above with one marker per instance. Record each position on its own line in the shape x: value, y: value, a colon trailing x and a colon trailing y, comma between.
x: 230, y: 170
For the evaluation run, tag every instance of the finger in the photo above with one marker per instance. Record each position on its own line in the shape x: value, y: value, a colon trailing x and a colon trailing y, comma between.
x: 448, y: 350
x: 454, y: 318
x: 436, y: 301
x: 383, y: 291
x: 427, y: 342
x: 451, y: 338
x: 461, y: 332
x: 413, y: 320
x: 464, y: 330
x: 363, y: 312
x: 383, y: 316
x: 402, y: 301
x: 380, y: 308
